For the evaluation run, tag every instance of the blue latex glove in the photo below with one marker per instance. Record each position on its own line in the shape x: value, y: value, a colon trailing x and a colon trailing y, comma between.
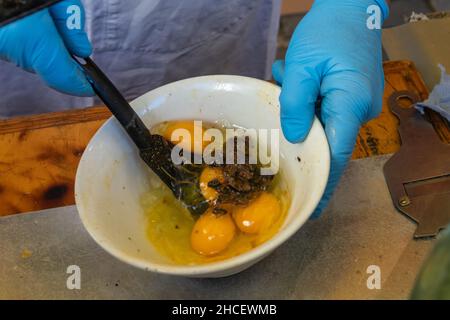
x: 333, y: 54
x: 42, y: 43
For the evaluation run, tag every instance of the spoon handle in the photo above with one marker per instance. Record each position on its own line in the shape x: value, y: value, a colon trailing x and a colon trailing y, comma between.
x: 116, y: 103
x: 153, y: 148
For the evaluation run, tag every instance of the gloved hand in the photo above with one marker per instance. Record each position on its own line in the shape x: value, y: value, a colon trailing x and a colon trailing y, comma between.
x: 42, y: 43
x: 333, y: 54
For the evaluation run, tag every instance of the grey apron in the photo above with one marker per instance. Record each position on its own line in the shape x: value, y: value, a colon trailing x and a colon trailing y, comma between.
x: 143, y: 44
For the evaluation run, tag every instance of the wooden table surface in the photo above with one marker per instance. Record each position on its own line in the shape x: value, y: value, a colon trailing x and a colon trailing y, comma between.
x: 39, y: 154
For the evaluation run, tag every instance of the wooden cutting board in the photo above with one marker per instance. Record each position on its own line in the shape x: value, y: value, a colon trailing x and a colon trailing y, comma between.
x: 39, y: 154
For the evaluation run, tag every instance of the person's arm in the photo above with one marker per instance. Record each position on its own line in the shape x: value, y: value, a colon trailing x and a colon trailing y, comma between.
x: 43, y: 43
x: 334, y: 55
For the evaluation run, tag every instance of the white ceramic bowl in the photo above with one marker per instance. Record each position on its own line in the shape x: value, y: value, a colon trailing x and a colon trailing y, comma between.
x: 111, y: 177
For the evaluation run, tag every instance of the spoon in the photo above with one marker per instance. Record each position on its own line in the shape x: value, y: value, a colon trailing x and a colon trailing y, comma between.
x: 154, y: 149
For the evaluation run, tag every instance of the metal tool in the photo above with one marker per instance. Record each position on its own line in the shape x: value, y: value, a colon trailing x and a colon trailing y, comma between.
x: 11, y: 10
x: 418, y: 175
x: 153, y: 148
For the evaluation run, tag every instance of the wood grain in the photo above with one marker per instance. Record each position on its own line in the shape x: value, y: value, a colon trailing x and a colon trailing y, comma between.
x: 39, y: 154
x: 54, y: 119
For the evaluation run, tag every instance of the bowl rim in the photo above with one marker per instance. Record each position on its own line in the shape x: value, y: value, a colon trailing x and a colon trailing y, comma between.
x: 243, y: 259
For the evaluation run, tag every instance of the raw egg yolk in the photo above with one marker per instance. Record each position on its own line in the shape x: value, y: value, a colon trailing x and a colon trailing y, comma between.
x: 212, y: 233
x: 208, y: 174
x: 196, y: 132
x: 258, y: 215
